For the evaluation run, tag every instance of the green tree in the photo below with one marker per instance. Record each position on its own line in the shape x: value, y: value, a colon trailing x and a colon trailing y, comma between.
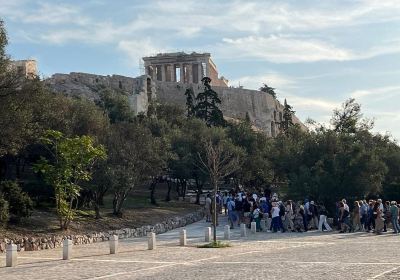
x: 185, y: 147
x: 70, y: 162
x: 349, y: 119
x: 4, y: 213
x: 256, y: 170
x: 116, y: 105
x: 269, y: 90
x: 133, y: 159
x: 207, y: 103
x: 287, y: 118
x: 190, y: 107
x: 19, y: 203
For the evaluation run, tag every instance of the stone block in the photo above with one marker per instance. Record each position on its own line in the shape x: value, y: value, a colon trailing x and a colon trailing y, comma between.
x: 11, y: 255
x: 243, y: 230
x: 207, y: 234
x: 152, y: 241
x: 67, y: 249
x: 253, y: 227
x: 114, y: 244
x: 227, y: 232
x: 182, y: 238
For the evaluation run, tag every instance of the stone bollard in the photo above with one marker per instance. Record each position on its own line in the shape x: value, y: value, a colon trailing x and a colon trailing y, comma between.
x: 269, y: 221
x: 227, y: 232
x: 253, y: 227
x: 67, y: 249
x: 263, y: 224
x: 114, y: 244
x: 11, y: 255
x: 182, y: 238
x: 243, y: 229
x: 207, y: 234
x: 152, y: 241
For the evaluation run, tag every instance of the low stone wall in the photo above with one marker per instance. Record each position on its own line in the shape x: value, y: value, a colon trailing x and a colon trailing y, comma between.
x: 54, y: 241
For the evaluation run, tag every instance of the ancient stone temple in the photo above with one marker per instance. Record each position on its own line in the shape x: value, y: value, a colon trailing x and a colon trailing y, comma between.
x: 168, y: 76
x: 25, y: 68
x: 183, y: 68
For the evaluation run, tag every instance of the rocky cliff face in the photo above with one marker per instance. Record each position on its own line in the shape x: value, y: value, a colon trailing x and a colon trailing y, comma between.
x: 264, y: 111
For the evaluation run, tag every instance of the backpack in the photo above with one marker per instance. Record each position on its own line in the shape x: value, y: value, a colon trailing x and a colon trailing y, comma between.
x: 282, y: 210
x: 246, y: 206
x: 238, y: 205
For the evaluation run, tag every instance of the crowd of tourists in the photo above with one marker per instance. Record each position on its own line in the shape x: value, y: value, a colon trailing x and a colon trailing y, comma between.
x: 272, y: 215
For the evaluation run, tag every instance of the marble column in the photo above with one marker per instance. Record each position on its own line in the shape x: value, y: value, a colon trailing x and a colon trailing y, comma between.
x: 171, y: 72
x: 200, y: 73
x: 182, y: 73
x: 190, y: 73
x: 163, y: 73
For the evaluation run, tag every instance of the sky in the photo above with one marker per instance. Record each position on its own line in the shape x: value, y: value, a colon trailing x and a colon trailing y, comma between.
x: 315, y: 53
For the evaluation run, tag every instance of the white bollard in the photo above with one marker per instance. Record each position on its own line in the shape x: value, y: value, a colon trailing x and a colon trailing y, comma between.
x: 207, y: 234
x: 114, y: 244
x: 263, y: 224
x: 182, y: 237
x: 269, y: 221
x: 243, y: 232
x: 152, y: 241
x: 11, y: 255
x: 227, y: 232
x: 253, y: 227
x: 67, y: 249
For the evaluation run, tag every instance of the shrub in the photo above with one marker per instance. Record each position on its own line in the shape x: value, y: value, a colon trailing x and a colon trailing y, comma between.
x: 19, y: 203
x: 4, y: 215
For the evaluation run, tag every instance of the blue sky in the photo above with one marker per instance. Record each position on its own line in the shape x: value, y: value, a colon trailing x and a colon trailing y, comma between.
x: 315, y: 53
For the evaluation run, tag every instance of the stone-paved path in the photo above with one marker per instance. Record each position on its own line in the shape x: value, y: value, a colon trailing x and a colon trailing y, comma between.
x: 259, y: 256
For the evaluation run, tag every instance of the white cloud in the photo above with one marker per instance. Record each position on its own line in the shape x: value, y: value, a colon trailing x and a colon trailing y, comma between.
x: 290, y: 49
x: 280, y: 82
x: 377, y: 93
x: 281, y: 49
x: 136, y: 49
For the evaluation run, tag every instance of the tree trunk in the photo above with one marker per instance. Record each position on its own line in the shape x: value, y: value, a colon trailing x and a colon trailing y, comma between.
x: 199, y: 191
x: 153, y: 191
x: 215, y: 214
x: 168, y: 197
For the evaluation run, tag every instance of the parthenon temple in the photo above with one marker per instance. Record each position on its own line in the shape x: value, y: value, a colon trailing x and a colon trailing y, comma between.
x: 184, y: 68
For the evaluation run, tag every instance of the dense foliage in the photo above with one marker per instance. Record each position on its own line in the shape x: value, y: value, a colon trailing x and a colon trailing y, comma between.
x: 100, y: 148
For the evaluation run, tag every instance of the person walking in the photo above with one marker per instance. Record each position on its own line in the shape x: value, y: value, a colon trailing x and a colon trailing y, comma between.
x: 356, y: 217
x: 378, y: 216
x: 257, y: 216
x: 394, y: 213
x: 289, y: 215
x: 314, y: 214
x: 344, y: 218
x: 230, y: 205
x: 323, y: 214
x: 275, y: 217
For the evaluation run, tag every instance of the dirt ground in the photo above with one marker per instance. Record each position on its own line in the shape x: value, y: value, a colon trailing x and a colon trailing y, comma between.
x: 137, y: 212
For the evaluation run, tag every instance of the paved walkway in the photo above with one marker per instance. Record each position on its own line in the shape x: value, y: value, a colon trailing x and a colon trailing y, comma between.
x: 262, y: 255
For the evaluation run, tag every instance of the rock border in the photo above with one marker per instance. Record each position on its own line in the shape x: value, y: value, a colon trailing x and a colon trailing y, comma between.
x: 55, y: 241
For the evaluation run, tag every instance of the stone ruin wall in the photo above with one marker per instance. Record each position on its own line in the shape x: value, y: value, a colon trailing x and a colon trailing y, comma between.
x: 264, y: 111
x: 139, y: 90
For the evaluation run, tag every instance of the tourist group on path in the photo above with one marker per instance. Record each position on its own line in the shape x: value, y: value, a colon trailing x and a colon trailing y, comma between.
x: 289, y: 216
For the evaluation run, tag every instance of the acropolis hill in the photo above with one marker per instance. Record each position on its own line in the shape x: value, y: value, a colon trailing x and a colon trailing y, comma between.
x: 167, y: 76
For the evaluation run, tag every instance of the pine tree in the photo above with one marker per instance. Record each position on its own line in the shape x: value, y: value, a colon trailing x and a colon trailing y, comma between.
x: 287, y: 121
x: 267, y: 89
x: 190, y: 102
x: 206, y: 107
